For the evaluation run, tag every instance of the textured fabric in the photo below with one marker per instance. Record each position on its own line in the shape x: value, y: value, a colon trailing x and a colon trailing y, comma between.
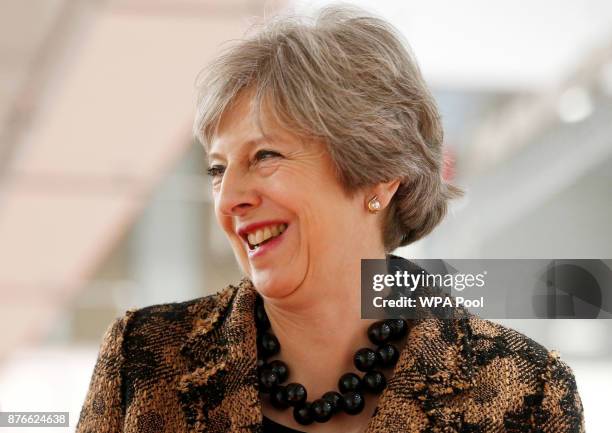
x: 191, y: 367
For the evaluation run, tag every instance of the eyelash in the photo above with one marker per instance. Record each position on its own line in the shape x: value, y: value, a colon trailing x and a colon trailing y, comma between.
x: 214, y: 171
x: 217, y: 170
x: 265, y: 152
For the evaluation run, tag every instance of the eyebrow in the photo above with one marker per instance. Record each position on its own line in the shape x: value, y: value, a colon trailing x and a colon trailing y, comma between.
x: 250, y: 143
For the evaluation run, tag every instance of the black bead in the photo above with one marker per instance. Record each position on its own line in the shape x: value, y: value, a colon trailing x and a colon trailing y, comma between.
x: 379, y: 332
x: 278, y: 397
x: 335, y: 399
x: 280, y: 368
x: 352, y: 402
x: 374, y: 381
x: 365, y: 359
x: 399, y: 327
x: 321, y: 410
x: 269, y: 345
x: 261, y: 318
x: 349, y: 382
x: 268, y: 379
x: 302, y: 414
x: 387, y: 355
x: 296, y: 394
x: 261, y: 363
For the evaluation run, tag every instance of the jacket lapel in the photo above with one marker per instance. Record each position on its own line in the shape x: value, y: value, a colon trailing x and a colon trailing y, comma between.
x: 219, y: 393
x: 434, y: 367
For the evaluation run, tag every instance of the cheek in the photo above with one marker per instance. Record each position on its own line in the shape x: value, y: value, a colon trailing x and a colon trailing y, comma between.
x: 337, y: 220
x: 226, y: 225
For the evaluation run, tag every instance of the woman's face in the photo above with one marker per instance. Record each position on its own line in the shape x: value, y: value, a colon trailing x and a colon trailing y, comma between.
x: 285, y: 189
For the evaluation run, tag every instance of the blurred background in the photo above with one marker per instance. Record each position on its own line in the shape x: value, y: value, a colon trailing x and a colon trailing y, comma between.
x: 104, y: 203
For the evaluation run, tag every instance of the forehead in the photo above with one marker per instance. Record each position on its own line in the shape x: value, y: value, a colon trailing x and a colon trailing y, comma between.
x: 238, y: 130
x: 241, y: 108
x: 236, y: 123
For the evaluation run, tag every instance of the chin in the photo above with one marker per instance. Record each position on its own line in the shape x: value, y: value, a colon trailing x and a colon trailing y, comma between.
x: 273, y: 281
x: 272, y: 285
x: 267, y: 283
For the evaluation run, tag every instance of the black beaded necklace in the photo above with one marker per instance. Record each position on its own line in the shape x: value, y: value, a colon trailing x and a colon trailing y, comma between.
x: 352, y: 388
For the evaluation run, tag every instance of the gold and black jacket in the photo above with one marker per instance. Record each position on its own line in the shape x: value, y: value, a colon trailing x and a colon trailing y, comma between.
x: 191, y: 367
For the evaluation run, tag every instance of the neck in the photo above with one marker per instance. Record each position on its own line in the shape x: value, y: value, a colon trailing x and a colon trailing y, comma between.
x: 319, y: 326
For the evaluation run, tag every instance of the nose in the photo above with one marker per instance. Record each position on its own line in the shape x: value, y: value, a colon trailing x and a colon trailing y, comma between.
x: 237, y: 193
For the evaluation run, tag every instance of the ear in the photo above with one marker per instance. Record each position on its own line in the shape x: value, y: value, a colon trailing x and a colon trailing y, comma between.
x: 385, y: 191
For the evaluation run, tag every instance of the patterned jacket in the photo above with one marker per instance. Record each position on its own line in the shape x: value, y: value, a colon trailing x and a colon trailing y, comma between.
x: 191, y: 367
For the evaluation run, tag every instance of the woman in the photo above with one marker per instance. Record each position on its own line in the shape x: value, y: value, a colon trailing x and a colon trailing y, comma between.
x: 324, y: 147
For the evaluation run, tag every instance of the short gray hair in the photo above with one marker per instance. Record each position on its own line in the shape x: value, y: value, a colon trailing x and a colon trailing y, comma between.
x: 345, y: 77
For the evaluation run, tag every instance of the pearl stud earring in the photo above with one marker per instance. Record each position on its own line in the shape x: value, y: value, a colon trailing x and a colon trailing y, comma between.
x: 374, y: 205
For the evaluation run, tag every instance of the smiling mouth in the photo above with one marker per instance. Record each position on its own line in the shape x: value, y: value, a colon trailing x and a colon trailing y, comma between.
x: 264, y: 236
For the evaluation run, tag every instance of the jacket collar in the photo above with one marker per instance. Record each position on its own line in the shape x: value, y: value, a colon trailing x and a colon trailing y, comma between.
x: 220, y: 390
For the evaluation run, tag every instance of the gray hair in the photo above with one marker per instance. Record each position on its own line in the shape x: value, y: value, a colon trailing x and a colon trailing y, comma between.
x: 347, y: 78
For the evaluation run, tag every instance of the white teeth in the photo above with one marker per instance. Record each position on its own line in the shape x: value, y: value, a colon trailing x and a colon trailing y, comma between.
x: 260, y: 235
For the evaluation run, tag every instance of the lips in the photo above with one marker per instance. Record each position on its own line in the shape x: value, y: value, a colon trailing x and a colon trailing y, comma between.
x: 261, y: 232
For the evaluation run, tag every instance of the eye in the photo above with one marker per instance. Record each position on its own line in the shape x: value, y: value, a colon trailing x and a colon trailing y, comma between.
x: 265, y: 154
x: 215, y: 170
